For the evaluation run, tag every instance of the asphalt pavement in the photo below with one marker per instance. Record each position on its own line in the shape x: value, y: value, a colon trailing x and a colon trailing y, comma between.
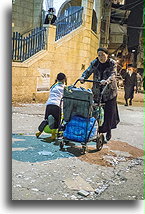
x: 41, y: 171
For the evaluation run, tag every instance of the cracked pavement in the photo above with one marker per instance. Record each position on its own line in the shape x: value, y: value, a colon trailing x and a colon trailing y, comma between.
x: 40, y: 171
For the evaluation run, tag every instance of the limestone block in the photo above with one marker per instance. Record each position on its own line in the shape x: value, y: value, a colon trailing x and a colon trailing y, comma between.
x: 51, y: 32
x: 89, y: 11
x: 41, y: 96
x: 31, y: 81
x: 84, y: 46
x: 83, y: 53
x: 50, y: 48
x: 18, y: 90
x: 17, y: 81
x: 15, y: 73
x: 86, y: 40
x: 88, y: 21
x: 90, y: 5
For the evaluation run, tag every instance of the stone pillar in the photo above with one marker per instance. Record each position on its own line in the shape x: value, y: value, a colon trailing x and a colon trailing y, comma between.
x: 51, y: 33
x: 87, y: 11
x: 98, y: 8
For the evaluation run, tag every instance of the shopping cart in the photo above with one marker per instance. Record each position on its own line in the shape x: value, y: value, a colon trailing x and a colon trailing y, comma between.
x: 89, y: 123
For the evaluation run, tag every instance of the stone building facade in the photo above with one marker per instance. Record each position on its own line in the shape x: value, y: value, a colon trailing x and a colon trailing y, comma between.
x: 26, y: 15
x: 71, y: 55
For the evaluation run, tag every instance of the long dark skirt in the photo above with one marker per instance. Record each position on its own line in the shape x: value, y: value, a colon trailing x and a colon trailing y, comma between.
x: 129, y: 92
x: 55, y: 111
x: 111, y: 116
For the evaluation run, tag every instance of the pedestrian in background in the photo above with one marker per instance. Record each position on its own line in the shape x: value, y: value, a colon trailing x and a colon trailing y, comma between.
x: 52, y: 21
x: 144, y: 82
x: 139, y: 81
x: 104, y: 70
x: 53, y: 110
x: 130, y: 83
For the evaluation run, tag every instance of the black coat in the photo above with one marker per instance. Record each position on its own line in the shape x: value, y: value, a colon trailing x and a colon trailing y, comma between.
x: 52, y: 21
x: 103, y: 71
x: 130, y: 81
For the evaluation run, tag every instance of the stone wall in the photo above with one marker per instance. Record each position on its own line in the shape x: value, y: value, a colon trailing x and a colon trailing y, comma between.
x: 37, y: 13
x: 26, y: 15
x: 71, y: 55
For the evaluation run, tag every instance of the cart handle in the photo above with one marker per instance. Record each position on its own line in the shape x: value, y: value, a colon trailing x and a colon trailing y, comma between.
x: 95, y: 81
x: 85, y: 80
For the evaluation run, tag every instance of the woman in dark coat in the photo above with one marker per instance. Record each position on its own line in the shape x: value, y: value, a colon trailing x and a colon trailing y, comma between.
x: 130, y: 82
x: 104, y: 69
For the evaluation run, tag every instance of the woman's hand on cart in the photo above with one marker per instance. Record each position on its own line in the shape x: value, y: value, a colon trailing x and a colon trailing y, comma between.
x: 82, y: 80
x: 103, y: 82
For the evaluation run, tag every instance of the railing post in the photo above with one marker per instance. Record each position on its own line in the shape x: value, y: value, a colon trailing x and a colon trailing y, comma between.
x: 51, y: 32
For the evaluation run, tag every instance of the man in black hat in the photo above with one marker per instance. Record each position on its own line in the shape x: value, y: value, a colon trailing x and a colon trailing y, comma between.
x: 130, y: 83
x: 47, y: 20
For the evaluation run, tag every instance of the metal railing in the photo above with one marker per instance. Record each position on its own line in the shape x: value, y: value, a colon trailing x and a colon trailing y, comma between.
x: 66, y: 24
x: 25, y: 47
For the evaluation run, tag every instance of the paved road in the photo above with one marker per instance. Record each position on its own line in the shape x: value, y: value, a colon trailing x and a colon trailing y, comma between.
x: 41, y: 171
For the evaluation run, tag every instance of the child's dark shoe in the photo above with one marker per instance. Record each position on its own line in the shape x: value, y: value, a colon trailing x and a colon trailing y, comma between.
x: 38, y: 134
x: 42, y: 125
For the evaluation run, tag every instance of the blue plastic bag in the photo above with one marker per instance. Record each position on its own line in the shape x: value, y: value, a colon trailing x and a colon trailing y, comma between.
x: 78, y: 128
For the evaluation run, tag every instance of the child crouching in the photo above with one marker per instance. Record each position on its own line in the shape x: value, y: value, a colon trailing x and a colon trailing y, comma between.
x: 53, y: 110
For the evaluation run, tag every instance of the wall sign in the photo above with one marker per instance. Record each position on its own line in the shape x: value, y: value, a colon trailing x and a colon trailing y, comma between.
x: 43, y: 81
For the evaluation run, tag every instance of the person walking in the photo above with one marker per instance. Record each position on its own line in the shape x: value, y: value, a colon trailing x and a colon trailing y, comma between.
x: 53, y: 110
x: 139, y: 81
x: 103, y: 69
x: 130, y: 83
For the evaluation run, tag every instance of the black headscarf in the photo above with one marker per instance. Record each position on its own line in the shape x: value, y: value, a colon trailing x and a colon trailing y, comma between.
x: 103, y: 49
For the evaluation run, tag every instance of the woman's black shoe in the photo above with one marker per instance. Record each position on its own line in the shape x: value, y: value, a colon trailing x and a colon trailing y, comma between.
x: 108, y: 136
x: 126, y: 102
x: 130, y: 102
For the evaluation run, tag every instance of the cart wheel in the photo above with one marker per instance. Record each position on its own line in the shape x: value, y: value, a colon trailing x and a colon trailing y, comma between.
x: 61, y: 144
x: 99, y: 142
x: 59, y: 134
x: 66, y: 142
x: 84, y: 148
x: 102, y: 138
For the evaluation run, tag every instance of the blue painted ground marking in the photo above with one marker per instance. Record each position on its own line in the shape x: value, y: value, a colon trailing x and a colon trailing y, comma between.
x: 33, y: 149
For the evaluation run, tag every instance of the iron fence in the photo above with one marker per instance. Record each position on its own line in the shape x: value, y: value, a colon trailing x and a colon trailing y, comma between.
x: 66, y: 24
x: 25, y: 47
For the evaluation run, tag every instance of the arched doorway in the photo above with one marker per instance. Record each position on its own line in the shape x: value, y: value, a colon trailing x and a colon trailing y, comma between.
x: 68, y: 7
